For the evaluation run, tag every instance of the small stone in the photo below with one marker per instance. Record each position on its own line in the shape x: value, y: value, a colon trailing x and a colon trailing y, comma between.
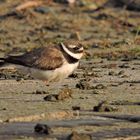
x: 91, y: 74
x: 71, y: 2
x: 115, y: 84
x: 125, y: 65
x: 76, y: 108
x: 50, y: 98
x: 42, y: 10
x: 76, y: 136
x: 40, y: 92
x: 64, y: 93
x: 100, y: 86
x: 3, y: 108
x: 74, y: 75
x: 132, y: 84
x: 121, y: 72
x: 82, y: 98
x: 104, y: 107
x: 43, y: 129
x: 112, y: 73
x: 83, y: 85
x: 96, y: 92
x: 134, y: 119
x: 124, y: 76
x: 95, y: 46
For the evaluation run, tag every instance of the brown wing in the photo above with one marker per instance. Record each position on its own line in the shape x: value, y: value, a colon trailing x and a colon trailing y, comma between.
x: 48, y: 58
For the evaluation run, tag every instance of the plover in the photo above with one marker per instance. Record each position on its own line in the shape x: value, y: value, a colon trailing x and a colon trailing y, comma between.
x: 51, y: 63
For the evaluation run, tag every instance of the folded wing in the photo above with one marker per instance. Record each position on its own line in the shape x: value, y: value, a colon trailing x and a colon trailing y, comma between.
x: 48, y: 58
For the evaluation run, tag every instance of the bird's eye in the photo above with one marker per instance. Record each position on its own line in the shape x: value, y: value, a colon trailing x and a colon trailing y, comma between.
x: 76, y: 48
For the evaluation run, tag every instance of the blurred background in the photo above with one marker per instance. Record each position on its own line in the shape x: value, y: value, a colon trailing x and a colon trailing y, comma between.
x: 109, y: 27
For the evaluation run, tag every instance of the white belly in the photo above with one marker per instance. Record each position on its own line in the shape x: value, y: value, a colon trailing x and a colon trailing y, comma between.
x: 54, y: 75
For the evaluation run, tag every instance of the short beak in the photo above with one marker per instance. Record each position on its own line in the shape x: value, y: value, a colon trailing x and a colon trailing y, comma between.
x: 85, y: 53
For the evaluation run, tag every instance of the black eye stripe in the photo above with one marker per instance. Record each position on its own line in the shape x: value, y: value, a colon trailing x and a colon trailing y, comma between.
x: 76, y: 48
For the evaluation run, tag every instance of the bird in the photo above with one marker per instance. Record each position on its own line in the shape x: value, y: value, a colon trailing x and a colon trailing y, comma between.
x: 50, y: 64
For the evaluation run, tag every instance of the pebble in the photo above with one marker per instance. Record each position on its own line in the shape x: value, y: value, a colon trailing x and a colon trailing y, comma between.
x: 77, y: 136
x: 43, y: 129
x: 104, y: 107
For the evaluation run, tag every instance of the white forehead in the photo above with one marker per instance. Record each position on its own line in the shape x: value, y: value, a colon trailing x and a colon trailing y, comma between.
x: 81, y: 49
x: 72, y: 46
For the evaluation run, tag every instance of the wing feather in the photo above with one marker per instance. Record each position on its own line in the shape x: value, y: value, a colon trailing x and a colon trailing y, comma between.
x: 47, y: 58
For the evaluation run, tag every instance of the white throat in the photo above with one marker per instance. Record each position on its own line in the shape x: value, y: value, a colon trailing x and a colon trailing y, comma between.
x: 74, y: 55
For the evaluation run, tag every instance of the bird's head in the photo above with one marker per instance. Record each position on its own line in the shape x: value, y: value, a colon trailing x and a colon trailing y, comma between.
x: 73, y: 48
